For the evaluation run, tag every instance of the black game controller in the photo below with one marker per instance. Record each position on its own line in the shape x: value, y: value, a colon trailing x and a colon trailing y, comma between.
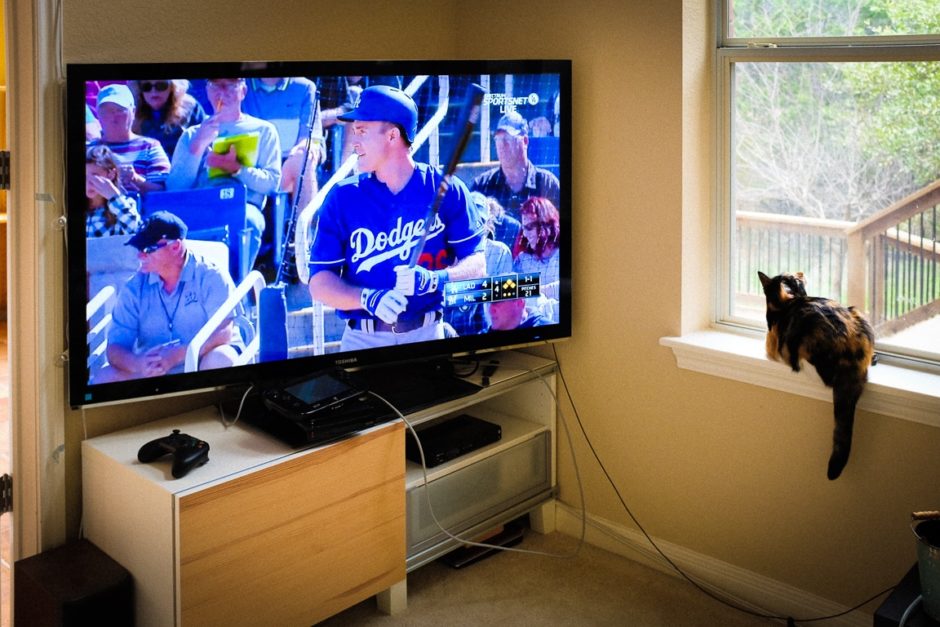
x: 188, y: 452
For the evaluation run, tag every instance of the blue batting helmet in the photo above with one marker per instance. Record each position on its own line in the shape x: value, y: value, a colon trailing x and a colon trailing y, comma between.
x: 382, y: 103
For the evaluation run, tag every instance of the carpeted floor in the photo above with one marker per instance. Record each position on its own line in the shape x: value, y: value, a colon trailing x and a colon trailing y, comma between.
x: 595, y: 588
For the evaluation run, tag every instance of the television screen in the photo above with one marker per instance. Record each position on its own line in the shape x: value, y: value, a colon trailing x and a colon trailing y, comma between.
x: 248, y: 222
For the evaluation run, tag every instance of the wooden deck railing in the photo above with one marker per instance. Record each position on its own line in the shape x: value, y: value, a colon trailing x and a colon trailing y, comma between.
x: 779, y: 243
x: 901, y: 281
x: 888, y: 264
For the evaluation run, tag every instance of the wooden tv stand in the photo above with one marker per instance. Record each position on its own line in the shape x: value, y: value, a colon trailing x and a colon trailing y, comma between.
x: 267, y: 532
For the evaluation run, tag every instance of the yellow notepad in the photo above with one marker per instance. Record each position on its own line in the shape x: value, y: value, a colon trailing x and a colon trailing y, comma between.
x: 246, y: 150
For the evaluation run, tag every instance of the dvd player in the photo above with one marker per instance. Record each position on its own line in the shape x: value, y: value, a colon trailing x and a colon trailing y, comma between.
x: 447, y: 440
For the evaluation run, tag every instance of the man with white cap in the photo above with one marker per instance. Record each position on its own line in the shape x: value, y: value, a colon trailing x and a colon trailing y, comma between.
x: 144, y: 163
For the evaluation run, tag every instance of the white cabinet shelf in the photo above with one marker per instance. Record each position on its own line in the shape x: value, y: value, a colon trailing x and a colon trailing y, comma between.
x: 490, y: 486
x: 271, y: 533
x: 260, y: 534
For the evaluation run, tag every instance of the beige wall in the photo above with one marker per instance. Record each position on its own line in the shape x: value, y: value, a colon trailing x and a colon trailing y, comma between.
x: 725, y: 469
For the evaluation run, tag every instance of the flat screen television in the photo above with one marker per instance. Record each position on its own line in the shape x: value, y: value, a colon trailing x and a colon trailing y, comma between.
x: 284, y: 140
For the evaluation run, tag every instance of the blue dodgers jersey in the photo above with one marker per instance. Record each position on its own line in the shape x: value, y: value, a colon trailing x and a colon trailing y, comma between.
x: 363, y: 231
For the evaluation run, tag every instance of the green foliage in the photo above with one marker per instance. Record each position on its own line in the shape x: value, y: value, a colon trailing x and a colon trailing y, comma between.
x: 808, y: 18
x: 904, y: 98
x: 906, y: 17
x: 835, y: 140
x: 904, y: 101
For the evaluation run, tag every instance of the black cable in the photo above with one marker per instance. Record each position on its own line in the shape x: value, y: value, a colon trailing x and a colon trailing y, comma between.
x: 788, y: 619
x: 463, y: 374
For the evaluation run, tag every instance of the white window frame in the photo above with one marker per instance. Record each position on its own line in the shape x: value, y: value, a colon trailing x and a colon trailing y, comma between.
x: 734, y: 347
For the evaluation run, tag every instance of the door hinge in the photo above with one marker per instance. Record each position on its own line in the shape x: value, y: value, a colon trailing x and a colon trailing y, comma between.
x: 6, y: 494
x: 4, y: 169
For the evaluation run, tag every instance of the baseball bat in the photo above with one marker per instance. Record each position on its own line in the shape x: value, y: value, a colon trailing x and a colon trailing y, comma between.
x: 470, y: 115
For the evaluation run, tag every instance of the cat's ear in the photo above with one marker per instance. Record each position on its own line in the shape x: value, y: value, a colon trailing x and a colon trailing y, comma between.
x: 764, y: 279
x: 800, y: 282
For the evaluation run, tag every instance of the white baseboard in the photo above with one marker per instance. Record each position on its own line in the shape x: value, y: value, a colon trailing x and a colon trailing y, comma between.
x: 741, y: 587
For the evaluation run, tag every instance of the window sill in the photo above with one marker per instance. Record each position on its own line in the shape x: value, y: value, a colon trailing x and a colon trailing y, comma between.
x: 892, y: 390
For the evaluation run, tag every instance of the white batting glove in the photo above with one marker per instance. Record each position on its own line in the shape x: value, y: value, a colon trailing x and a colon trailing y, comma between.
x: 418, y: 280
x: 385, y: 305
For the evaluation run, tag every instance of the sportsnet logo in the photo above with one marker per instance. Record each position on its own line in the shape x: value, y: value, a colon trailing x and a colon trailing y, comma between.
x: 507, y: 103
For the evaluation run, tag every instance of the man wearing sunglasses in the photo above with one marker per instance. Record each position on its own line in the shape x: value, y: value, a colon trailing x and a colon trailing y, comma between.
x: 164, y: 305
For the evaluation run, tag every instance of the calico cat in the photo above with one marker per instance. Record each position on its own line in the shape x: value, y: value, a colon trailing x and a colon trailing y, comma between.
x: 838, y: 341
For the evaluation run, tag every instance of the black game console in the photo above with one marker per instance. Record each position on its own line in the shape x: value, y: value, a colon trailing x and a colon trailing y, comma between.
x: 317, y: 409
x: 320, y: 427
x: 188, y: 452
x: 447, y: 440
x: 320, y: 394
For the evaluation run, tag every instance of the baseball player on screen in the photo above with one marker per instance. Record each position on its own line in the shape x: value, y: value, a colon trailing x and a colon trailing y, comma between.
x: 369, y: 224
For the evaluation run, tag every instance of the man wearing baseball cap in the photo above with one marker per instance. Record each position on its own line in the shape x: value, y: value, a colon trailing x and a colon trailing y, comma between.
x: 516, y: 178
x: 162, y: 307
x: 369, y: 224
x: 144, y: 164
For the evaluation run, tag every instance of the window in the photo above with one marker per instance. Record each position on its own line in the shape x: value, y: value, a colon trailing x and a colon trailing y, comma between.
x: 829, y: 135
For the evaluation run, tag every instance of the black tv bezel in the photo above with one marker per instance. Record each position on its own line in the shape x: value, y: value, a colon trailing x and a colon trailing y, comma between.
x: 81, y: 393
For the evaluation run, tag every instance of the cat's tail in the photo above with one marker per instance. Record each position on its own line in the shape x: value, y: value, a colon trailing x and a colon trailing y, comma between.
x: 845, y: 395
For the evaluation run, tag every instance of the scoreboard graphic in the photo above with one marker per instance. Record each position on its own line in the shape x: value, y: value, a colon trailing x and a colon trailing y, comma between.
x: 489, y: 289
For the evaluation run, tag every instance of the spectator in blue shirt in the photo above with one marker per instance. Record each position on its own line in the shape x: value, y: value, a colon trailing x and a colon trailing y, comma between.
x: 292, y: 106
x: 164, y: 305
x: 230, y: 146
